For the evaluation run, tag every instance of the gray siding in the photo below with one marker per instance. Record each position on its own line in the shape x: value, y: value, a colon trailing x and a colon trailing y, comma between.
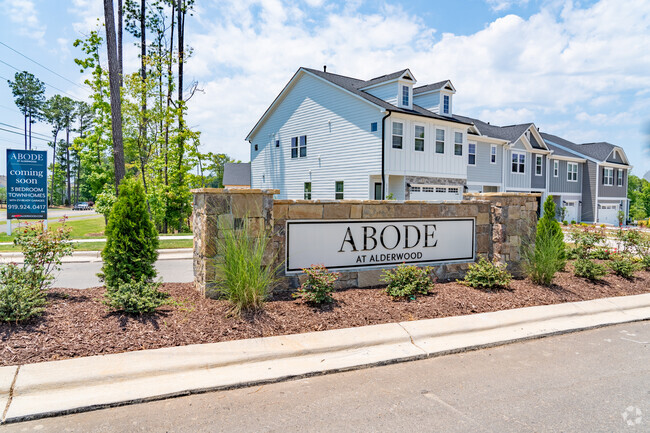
x: 589, y: 188
x: 516, y: 180
x: 615, y: 158
x: 561, y: 184
x: 484, y: 170
x: 430, y: 101
x: 537, y: 181
x: 614, y: 190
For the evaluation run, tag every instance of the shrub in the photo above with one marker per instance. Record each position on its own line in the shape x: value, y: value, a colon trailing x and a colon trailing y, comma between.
x: 487, y: 275
x: 105, y: 201
x: 586, y: 238
x: 131, y: 238
x: 407, y: 281
x: 564, y: 222
x: 589, y: 269
x: 645, y: 262
x: 23, y: 287
x: 573, y: 222
x: 624, y: 266
x: 319, y: 285
x: 243, y: 276
x: 136, y: 297
x: 600, y: 254
x: 548, y: 254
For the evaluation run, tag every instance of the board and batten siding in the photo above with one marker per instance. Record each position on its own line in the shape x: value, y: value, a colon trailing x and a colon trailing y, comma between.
x: 517, y: 180
x: 615, y: 157
x: 408, y: 161
x: 389, y: 92
x: 340, y: 144
x: 589, y: 188
x: 429, y: 101
x: 537, y: 182
x: 612, y: 190
x: 561, y: 183
x: 484, y: 171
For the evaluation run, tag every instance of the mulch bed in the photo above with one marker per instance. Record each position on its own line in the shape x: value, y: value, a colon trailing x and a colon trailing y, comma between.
x: 76, y: 323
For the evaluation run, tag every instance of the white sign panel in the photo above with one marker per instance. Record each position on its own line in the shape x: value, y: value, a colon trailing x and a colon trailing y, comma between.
x: 352, y: 244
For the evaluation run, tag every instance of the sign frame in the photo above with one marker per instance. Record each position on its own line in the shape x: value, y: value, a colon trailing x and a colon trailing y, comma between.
x: 362, y: 267
x: 14, y: 181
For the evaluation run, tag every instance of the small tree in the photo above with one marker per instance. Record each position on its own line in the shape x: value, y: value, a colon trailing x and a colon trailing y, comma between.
x: 131, y: 238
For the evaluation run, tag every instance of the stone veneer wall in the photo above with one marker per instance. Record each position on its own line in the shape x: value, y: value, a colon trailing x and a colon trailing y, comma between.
x: 502, y: 221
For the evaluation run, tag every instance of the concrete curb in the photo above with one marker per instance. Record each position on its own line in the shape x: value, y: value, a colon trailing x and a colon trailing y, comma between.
x: 96, y: 256
x: 81, y: 384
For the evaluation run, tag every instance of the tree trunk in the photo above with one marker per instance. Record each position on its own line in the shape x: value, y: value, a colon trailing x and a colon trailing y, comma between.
x: 53, y: 168
x: 120, y: 52
x: 116, y: 103
x: 170, y: 82
x: 181, y: 53
x: 67, y: 164
x: 25, y: 131
x: 30, y: 130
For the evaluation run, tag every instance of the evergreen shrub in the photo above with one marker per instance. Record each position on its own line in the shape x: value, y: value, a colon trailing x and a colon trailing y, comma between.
x: 624, y: 266
x: 407, y: 281
x: 319, y: 285
x: 589, y: 269
x: 136, y: 297
x: 487, y: 275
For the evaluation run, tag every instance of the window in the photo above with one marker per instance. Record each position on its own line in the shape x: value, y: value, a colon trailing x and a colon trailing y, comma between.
x: 428, y: 189
x: 307, y: 191
x: 415, y: 189
x: 299, y: 146
x: 373, y: 127
x: 518, y: 162
x: 572, y: 171
x: 256, y: 148
x: 493, y: 154
x: 608, y: 176
x: 538, y: 165
x: 471, y: 153
x: 405, y: 95
x: 458, y: 143
x: 556, y: 168
x: 445, y: 104
x: 398, y: 135
x: 338, y: 190
x: 619, y: 178
x: 419, y: 138
x: 440, y: 141
x: 440, y: 189
x: 277, y: 142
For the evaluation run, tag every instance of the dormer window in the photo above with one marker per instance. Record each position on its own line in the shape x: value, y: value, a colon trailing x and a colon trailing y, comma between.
x: 445, y: 104
x: 405, y: 96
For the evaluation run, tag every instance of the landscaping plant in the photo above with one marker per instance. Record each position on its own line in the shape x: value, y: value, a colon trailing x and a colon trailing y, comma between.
x: 407, y: 281
x: 319, y: 285
x: 624, y: 266
x: 243, y: 277
x: 589, y: 269
x: 487, y: 275
x: 548, y: 253
x: 136, y: 297
x: 586, y: 238
x: 131, y: 238
x: 23, y: 287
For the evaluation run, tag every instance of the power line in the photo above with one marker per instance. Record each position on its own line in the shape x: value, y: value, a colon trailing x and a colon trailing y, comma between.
x: 22, y: 134
x: 21, y: 129
x: 44, y: 67
x: 54, y: 87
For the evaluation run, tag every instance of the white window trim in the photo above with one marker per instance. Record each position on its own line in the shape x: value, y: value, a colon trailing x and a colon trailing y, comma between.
x: 424, y: 139
x: 469, y: 153
x: 493, y: 151
x: 569, y: 172
x: 462, y: 141
x: 392, y: 134
x: 619, y: 176
x: 408, y: 95
x: 539, y: 158
x: 518, y: 163
x: 556, y: 168
x: 444, y: 142
x: 611, y: 178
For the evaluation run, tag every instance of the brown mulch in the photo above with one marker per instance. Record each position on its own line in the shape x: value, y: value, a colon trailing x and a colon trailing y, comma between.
x: 76, y: 323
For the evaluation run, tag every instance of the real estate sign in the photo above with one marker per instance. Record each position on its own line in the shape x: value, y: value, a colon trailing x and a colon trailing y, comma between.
x: 353, y: 244
x: 26, y: 184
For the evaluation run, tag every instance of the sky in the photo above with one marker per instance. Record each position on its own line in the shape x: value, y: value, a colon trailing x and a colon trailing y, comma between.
x: 577, y: 69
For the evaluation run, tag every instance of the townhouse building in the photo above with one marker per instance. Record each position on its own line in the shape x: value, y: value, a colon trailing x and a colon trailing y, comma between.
x: 328, y: 136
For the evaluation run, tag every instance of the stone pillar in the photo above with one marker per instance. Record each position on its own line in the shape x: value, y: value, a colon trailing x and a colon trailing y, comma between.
x: 230, y: 207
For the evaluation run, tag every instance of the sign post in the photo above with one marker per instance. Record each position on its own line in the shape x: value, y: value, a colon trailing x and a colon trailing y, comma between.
x: 26, y: 185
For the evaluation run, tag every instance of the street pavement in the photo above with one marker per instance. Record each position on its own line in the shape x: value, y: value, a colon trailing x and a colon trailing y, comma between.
x: 591, y: 381
x: 84, y: 275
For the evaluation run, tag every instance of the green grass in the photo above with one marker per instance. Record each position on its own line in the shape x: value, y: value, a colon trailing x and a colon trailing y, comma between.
x: 98, y: 246
x: 81, y: 229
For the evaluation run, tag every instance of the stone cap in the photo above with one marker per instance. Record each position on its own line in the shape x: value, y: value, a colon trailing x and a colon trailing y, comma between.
x: 376, y: 202
x: 233, y: 191
x: 503, y: 194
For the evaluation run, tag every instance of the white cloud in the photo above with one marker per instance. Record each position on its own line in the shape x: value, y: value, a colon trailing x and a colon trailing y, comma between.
x: 25, y: 14
x: 501, y: 5
x: 508, y: 116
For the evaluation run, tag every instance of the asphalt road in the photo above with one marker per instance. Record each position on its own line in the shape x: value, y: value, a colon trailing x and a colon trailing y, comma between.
x: 84, y: 275
x: 593, y: 381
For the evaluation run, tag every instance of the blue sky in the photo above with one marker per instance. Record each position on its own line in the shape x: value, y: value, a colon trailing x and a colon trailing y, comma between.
x: 576, y: 69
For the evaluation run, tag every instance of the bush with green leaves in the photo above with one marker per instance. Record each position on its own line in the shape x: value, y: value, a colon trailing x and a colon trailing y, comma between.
x: 589, y: 269
x: 136, y: 297
x: 547, y: 255
x: 407, y: 281
x: 23, y: 287
x: 245, y: 274
x: 587, y: 238
x: 105, y: 200
x: 131, y: 239
x: 600, y: 253
x: 624, y: 266
x: 487, y: 275
x: 319, y: 285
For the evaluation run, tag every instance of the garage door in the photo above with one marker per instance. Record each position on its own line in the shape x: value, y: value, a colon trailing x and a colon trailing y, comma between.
x: 571, y: 211
x: 608, y: 214
x: 435, y: 193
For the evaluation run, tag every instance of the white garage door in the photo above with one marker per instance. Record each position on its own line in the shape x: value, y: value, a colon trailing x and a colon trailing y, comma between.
x: 608, y: 214
x: 571, y: 211
x: 435, y: 193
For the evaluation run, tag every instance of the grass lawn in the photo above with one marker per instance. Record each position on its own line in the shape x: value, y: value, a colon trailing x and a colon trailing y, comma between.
x: 98, y: 246
x: 81, y: 228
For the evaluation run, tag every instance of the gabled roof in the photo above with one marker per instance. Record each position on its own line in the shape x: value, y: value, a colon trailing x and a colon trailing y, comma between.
x: 561, y: 151
x: 387, y: 77
x: 432, y: 87
x: 237, y: 173
x: 596, y: 151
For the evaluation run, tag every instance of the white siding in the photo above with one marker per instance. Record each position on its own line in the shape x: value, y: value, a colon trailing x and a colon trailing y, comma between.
x: 388, y: 92
x: 430, y: 101
x: 340, y: 145
x: 407, y: 161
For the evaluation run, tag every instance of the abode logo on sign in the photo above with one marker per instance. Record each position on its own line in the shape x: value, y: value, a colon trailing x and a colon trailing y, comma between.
x: 376, y: 243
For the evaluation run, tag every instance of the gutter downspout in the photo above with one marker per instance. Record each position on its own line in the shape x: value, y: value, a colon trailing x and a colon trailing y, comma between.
x: 383, y: 154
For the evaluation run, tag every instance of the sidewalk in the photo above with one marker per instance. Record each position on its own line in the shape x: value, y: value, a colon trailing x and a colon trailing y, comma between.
x: 74, y: 385
x: 96, y: 256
